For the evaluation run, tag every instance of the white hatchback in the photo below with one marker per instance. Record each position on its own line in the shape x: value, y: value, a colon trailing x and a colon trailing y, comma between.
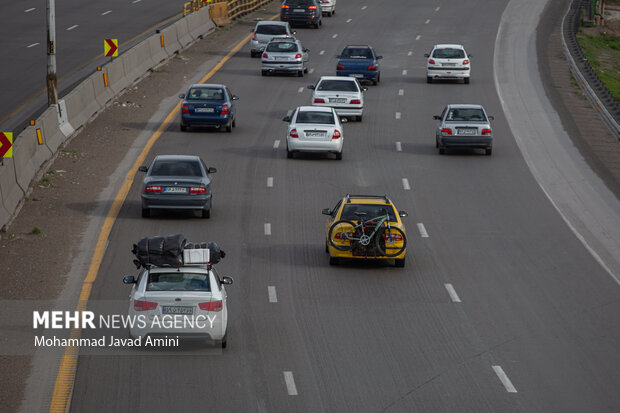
x: 314, y: 129
x: 345, y: 94
x: 187, y: 303
x: 328, y: 7
x: 448, y: 61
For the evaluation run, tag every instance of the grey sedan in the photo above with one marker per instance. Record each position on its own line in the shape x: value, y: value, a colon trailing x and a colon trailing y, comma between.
x: 284, y: 55
x: 177, y: 182
x: 464, y: 126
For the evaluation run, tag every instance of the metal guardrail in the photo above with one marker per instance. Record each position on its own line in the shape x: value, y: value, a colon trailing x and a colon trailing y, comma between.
x: 194, y: 5
x: 236, y: 8
x: 596, y: 92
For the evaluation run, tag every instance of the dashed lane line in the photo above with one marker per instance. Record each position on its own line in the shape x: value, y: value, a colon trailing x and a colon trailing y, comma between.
x: 422, y: 230
x: 452, y: 293
x: 503, y: 377
x: 290, y: 383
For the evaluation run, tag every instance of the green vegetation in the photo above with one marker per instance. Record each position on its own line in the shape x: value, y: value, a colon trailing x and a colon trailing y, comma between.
x: 45, y: 182
x: 603, y: 53
x: 36, y: 230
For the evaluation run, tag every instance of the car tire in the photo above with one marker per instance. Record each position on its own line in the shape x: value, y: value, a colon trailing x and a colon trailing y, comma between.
x: 300, y: 73
x: 488, y: 151
x: 146, y: 212
x: 429, y: 79
x: 289, y: 154
x: 436, y: 143
x: 183, y: 128
x: 466, y: 80
x: 306, y: 69
x: 206, y: 213
x: 359, y: 118
x: 223, y: 342
x: 334, y: 260
x: 229, y: 128
x: 263, y: 73
x: 374, y: 82
x: 316, y: 26
x: 399, y: 263
x: 379, y: 77
x: 442, y: 151
x: 339, y: 156
x: 234, y: 123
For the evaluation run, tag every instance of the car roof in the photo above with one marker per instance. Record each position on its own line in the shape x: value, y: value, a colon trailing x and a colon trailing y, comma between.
x: 271, y: 23
x: 364, y: 46
x: 315, y: 109
x: 367, y: 199
x: 283, y: 40
x: 201, y: 269
x: 206, y: 86
x: 449, y: 46
x: 177, y: 158
x: 465, y: 106
x: 350, y: 79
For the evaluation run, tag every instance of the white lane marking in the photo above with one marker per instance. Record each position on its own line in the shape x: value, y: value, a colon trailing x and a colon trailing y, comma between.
x: 349, y: 20
x: 364, y: 7
x: 290, y: 383
x: 29, y: 10
x: 406, y: 186
x: 409, y: 53
x: 401, y: 92
x: 271, y: 291
x: 32, y: 45
x: 136, y: 1
x: 334, y: 36
x: 311, y: 71
x: 276, y: 143
x: 397, y: 115
x: 106, y: 12
x: 438, y: 7
x: 504, y: 379
x: 322, y: 52
x: 301, y: 89
x: 72, y: 27
x: 267, y: 228
x: 399, y: 147
x: 452, y: 293
x: 427, y: 21
x: 405, y: 72
x: 418, y: 37
x: 270, y: 182
x: 422, y: 230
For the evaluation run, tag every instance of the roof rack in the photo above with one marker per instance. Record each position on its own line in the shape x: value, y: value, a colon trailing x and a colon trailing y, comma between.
x: 349, y: 196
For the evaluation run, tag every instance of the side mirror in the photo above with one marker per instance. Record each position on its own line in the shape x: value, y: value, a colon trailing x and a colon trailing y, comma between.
x: 470, y: 56
x: 403, y: 214
x: 426, y: 55
x: 326, y: 211
x: 311, y: 87
x: 306, y: 50
x: 379, y: 57
x: 235, y: 97
x: 294, y: 32
x: 226, y: 280
x: 286, y: 119
x: 212, y: 170
x: 182, y: 96
x: 129, y: 279
x: 143, y: 169
x: 344, y: 120
x: 364, y: 88
x: 491, y: 117
x: 337, y: 56
x: 437, y: 117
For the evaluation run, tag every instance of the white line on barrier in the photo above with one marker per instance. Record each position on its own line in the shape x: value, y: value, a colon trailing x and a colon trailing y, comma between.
x: 276, y: 143
x: 335, y: 35
x: 301, y: 89
x: 418, y: 37
x: 364, y: 8
x: 399, y: 147
x: 397, y: 115
x: 427, y: 21
x: 322, y: 52
x: 32, y: 45
x: 452, y: 293
x: 270, y: 182
x: 267, y: 228
x: 406, y: 186
x: 401, y: 92
x: 106, y: 12
x: 72, y: 27
x: 348, y: 20
x: 438, y: 7
x: 271, y: 291
x: 290, y: 383
x: 29, y: 10
x: 405, y: 72
x: 504, y: 379
x: 422, y: 230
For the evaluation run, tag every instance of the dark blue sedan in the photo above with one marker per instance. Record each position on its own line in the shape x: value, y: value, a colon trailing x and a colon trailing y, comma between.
x: 208, y: 105
x: 359, y: 61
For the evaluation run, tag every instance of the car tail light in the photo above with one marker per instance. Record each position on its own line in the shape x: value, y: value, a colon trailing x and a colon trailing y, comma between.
x: 339, y: 67
x: 185, y: 108
x: 225, y: 110
x: 286, y: 6
x: 319, y: 100
x: 465, y: 62
x: 336, y: 134
x: 254, y: 37
x: 265, y: 56
x: 487, y: 131
x: 446, y: 131
x: 156, y: 189
x: 211, y: 305
x: 311, y: 7
x: 293, y: 133
x: 392, y: 237
x: 298, y: 56
x: 139, y: 305
x: 431, y: 62
x: 372, y: 67
x: 355, y: 101
x: 197, y: 190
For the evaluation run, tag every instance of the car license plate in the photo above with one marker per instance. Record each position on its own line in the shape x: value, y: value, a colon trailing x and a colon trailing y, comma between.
x: 315, y: 134
x: 281, y: 57
x: 356, y: 75
x: 467, y: 131
x: 299, y: 10
x: 168, y: 309
x: 449, y: 64
x: 337, y: 100
x: 204, y: 110
x: 175, y: 189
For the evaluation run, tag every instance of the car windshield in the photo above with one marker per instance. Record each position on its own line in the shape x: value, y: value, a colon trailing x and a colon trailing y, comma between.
x: 449, y: 54
x: 176, y: 168
x: 274, y: 29
x: 325, y: 118
x: 371, y: 211
x: 356, y: 53
x: 205, y: 94
x: 299, y: 3
x: 178, y: 281
x: 282, y: 47
x: 338, y: 85
x: 466, y: 115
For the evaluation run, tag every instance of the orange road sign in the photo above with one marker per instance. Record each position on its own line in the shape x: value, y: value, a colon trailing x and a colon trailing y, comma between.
x: 6, y: 144
x: 110, y: 47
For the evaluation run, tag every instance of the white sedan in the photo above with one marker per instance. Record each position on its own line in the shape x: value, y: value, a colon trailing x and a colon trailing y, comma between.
x: 314, y: 129
x: 345, y: 94
x: 328, y: 7
x: 448, y: 61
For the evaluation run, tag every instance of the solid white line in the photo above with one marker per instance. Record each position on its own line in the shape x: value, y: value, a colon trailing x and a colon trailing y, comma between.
x: 399, y: 147
x: 437, y: 9
x: 334, y: 36
x: 32, y: 45
x: 290, y: 383
x: 311, y: 71
x: 364, y: 8
x: 106, y: 12
x: 271, y: 291
x: 301, y: 89
x: 322, y: 52
x: 405, y: 72
x: 504, y: 379
x: 397, y: 115
x: 72, y: 27
x: 409, y: 53
x: 29, y: 10
x: 270, y: 182
x: 267, y: 228
x: 422, y: 230
x: 418, y: 37
x: 406, y: 186
x: 401, y: 92
x: 452, y: 293
x: 276, y: 143
x: 427, y: 21
x: 349, y: 20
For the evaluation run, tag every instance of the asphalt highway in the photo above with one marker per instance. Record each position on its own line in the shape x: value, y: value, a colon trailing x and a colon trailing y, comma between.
x: 499, y: 309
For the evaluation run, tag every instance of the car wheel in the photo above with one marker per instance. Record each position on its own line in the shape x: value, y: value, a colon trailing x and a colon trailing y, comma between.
x: 234, y: 124
x: 374, y: 82
x: 359, y: 118
x: 206, y: 213
x: 289, y: 154
x: 429, y: 79
x: 300, y: 73
x: 326, y: 248
x: 316, y: 26
x: 466, y: 80
x: 223, y: 342
x: 306, y: 69
x: 229, y: 128
x: 339, y: 156
x: 400, y: 263
x: 436, y: 143
x: 488, y: 151
x: 442, y: 151
x: 334, y: 260
x: 333, y: 12
x: 146, y: 212
x: 263, y: 72
x: 183, y: 128
x: 379, y: 77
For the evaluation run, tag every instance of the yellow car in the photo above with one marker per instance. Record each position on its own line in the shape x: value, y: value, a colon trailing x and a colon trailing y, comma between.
x: 365, y: 227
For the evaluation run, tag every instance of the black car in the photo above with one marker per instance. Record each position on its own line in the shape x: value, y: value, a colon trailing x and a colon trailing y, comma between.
x: 177, y: 182
x: 301, y: 12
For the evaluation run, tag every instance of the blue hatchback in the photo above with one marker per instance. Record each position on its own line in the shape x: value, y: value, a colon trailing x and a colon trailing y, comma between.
x: 208, y: 105
x: 361, y: 62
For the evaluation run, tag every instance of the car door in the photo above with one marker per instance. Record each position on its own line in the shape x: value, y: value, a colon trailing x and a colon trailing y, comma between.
x: 232, y: 105
x: 332, y: 218
x: 440, y: 123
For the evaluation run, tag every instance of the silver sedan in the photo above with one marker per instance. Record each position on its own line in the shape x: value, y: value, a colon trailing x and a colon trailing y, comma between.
x: 285, y: 55
x: 464, y: 126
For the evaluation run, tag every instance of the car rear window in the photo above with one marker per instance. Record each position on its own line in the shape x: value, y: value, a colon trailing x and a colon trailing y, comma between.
x: 205, y: 94
x: 275, y: 29
x: 356, y: 53
x: 178, y: 281
x: 299, y: 3
x: 449, y: 54
x: 371, y: 211
x: 176, y: 168
x: 338, y: 85
x: 324, y: 118
x: 282, y: 47
x: 466, y: 115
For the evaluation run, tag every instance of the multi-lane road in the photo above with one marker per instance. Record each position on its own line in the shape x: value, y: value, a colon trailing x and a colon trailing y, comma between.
x: 500, y: 308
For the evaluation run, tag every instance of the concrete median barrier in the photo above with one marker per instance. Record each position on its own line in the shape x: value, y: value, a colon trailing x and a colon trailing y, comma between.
x: 183, y: 31
x: 28, y: 156
x: 10, y: 193
x: 103, y: 94
x: 52, y: 135
x: 117, y: 80
x: 157, y: 52
x: 137, y: 61
x: 82, y: 103
x: 171, y: 40
x: 205, y: 24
